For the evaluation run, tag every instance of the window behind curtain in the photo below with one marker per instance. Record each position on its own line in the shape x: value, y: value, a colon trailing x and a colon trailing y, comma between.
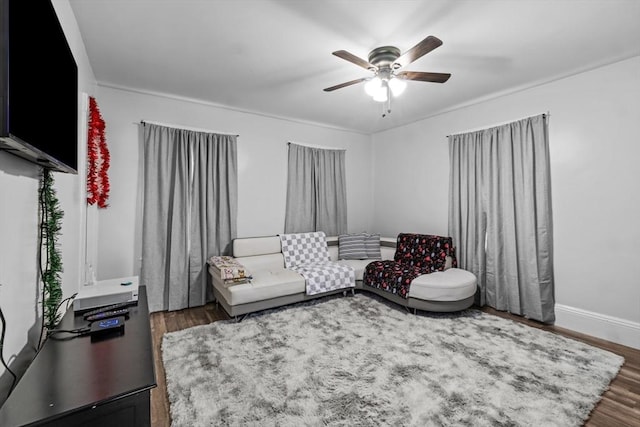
x: 189, y: 212
x: 316, y: 191
x: 500, y: 215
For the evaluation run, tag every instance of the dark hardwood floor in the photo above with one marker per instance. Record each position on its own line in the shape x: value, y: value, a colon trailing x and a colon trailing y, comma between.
x: 619, y: 406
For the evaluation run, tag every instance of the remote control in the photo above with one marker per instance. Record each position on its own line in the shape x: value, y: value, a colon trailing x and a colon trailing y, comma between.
x: 107, y: 308
x: 108, y: 314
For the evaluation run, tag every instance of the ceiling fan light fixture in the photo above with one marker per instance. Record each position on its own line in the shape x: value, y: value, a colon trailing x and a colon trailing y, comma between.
x: 382, y: 94
x: 397, y: 86
x: 385, y: 61
x: 372, y: 86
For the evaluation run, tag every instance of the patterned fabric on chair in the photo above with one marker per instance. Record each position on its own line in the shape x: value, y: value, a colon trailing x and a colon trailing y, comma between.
x: 416, y: 254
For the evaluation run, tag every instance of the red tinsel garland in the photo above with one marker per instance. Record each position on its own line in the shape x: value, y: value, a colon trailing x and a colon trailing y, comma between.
x: 98, y: 158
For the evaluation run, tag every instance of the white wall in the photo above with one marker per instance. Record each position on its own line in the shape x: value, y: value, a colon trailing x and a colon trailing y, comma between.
x: 262, y: 168
x: 19, y: 185
x: 594, y: 144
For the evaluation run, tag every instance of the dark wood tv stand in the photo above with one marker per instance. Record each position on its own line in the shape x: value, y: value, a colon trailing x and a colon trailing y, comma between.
x: 78, y: 382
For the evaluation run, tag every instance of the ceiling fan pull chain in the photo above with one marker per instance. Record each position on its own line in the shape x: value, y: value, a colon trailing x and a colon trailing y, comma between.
x: 386, y: 106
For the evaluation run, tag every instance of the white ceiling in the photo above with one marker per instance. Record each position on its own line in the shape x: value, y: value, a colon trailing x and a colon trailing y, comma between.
x: 274, y: 57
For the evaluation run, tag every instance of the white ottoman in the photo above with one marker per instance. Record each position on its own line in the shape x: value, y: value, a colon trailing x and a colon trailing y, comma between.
x: 454, y: 288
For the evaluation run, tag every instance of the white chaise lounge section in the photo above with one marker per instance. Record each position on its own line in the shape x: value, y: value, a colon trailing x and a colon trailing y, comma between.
x: 449, y: 290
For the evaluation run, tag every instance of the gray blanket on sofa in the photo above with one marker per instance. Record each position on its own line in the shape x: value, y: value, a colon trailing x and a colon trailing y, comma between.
x: 308, y: 254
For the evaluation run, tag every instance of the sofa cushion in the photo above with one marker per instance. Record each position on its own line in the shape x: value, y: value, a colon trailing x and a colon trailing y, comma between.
x: 387, y: 252
x: 333, y: 253
x: 352, y: 246
x: 273, y: 262
x: 450, y: 285
x: 264, y: 285
x: 358, y: 265
x: 372, y: 246
x: 252, y: 246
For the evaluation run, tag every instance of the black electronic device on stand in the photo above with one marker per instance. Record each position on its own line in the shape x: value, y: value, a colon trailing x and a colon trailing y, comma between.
x: 105, y: 328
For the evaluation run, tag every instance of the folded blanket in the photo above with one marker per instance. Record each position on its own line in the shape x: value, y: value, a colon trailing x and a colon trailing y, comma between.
x: 231, y: 271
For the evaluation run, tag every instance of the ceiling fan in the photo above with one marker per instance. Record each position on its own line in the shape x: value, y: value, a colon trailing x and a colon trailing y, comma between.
x: 385, y: 62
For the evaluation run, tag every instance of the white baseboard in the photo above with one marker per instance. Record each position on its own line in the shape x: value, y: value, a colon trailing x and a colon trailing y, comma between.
x: 614, y: 329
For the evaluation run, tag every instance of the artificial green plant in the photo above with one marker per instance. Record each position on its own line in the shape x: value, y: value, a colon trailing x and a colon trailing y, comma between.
x: 50, y: 257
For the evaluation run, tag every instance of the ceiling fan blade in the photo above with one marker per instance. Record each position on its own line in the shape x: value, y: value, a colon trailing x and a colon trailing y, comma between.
x: 419, y: 50
x: 341, y: 85
x: 353, y: 59
x: 424, y: 77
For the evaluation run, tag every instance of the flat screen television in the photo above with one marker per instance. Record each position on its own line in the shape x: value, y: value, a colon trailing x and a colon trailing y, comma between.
x: 38, y: 86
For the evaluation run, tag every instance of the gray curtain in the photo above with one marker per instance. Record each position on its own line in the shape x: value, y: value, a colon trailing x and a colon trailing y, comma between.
x: 500, y: 215
x: 189, y: 212
x: 316, y: 191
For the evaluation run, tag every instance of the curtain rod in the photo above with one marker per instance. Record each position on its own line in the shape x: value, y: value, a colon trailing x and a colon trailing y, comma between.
x: 144, y: 122
x: 545, y: 115
x: 316, y: 146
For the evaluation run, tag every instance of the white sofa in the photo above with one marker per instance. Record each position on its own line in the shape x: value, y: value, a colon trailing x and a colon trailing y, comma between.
x: 273, y: 285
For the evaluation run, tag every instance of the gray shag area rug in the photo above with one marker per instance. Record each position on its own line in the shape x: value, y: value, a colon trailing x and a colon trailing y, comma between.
x: 360, y: 361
